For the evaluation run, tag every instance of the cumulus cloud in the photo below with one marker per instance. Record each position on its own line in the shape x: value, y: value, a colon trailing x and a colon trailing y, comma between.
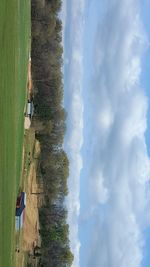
x: 119, y: 163
x: 117, y: 166
x: 98, y: 189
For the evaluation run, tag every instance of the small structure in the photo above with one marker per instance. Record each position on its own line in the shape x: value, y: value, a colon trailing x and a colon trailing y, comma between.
x: 30, y: 109
x: 20, y: 206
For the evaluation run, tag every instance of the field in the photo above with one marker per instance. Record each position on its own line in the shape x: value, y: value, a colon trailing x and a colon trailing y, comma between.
x: 14, y: 53
x: 28, y: 237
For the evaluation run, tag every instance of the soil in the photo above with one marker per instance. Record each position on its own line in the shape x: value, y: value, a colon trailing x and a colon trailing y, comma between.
x: 29, y: 77
x: 27, y: 123
x: 31, y: 220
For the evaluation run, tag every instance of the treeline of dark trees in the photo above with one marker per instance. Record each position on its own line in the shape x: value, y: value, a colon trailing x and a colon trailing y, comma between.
x: 50, y: 126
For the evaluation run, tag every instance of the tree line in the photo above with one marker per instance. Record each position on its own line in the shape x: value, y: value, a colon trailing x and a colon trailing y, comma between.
x: 49, y: 122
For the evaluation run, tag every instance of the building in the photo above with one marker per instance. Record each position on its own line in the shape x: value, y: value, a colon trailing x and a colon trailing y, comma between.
x: 20, y: 208
x: 30, y: 109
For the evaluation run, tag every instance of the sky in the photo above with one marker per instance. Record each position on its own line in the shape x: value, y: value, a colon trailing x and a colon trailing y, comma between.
x: 106, y: 94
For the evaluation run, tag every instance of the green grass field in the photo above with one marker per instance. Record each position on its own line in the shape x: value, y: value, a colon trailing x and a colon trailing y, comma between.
x: 14, y: 50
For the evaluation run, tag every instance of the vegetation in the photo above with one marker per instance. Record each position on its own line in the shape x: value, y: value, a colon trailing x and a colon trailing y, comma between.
x: 50, y: 126
x: 14, y: 50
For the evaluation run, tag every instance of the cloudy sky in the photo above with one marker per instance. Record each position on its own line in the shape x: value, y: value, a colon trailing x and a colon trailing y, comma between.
x: 106, y: 79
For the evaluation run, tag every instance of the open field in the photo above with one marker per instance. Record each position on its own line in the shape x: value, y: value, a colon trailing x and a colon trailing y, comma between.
x: 14, y: 51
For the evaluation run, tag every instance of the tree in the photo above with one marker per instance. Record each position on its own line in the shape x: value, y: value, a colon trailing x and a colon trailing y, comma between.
x: 49, y: 122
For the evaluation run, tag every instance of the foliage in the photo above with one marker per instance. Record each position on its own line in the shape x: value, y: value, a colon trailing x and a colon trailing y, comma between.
x: 49, y: 123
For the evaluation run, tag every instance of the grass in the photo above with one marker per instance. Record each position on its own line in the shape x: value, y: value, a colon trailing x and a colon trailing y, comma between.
x: 14, y: 49
x: 21, y: 259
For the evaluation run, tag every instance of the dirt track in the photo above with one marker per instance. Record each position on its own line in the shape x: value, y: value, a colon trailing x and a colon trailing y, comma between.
x: 29, y: 77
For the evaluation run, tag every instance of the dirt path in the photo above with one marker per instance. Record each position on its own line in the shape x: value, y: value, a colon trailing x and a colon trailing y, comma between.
x: 29, y: 77
x: 27, y: 120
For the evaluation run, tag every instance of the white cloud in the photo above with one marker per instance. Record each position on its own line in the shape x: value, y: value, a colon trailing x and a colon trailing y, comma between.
x: 117, y: 153
x: 119, y: 162
x: 105, y: 116
x: 99, y: 191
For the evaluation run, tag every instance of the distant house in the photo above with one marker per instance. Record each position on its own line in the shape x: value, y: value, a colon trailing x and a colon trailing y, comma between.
x: 20, y: 206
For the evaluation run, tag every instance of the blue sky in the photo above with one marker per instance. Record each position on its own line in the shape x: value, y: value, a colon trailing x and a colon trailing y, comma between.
x: 145, y: 80
x: 145, y: 7
x: 106, y: 80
